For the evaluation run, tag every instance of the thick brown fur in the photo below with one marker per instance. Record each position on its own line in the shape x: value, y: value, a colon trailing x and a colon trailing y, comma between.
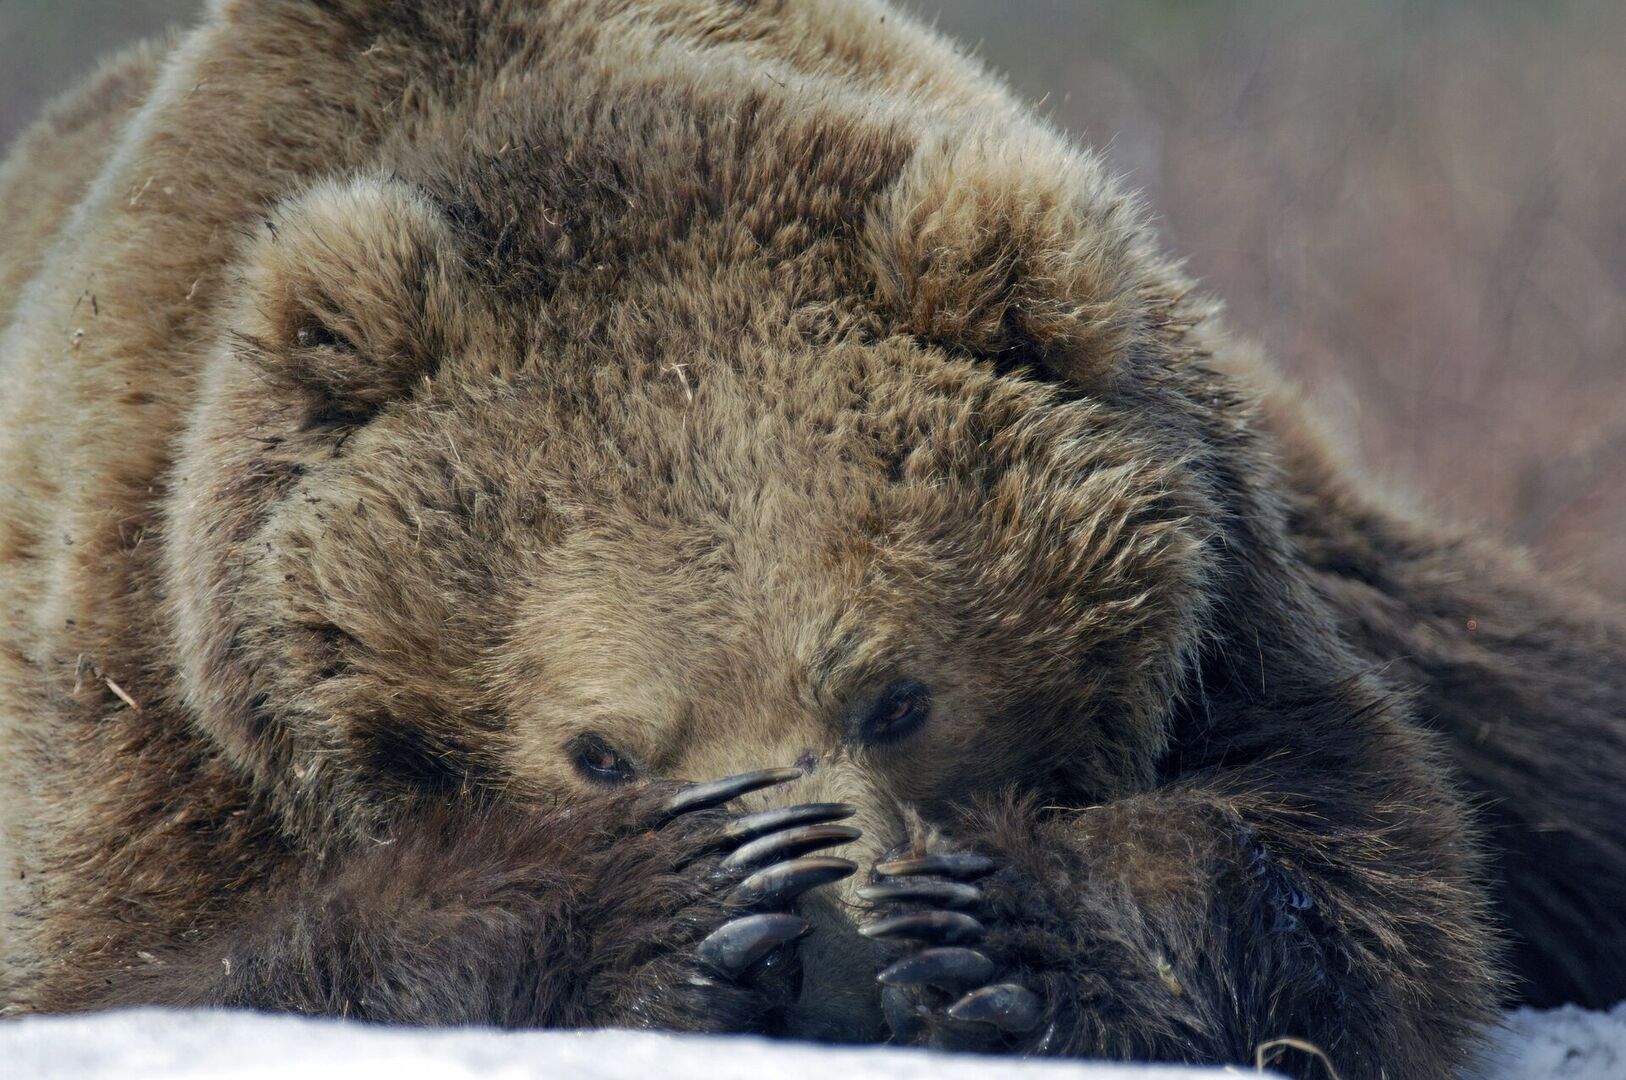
x: 397, y: 393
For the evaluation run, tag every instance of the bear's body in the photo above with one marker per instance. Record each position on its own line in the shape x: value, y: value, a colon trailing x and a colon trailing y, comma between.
x: 432, y: 432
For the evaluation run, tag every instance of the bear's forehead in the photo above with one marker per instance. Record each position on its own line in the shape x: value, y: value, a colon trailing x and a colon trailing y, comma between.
x: 695, y: 427
x: 711, y: 505
x: 627, y: 184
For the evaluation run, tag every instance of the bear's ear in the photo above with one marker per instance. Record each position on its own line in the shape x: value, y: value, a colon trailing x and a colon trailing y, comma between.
x: 1011, y: 246
x: 352, y: 295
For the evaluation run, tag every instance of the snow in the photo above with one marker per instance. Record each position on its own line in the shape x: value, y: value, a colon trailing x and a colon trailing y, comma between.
x: 1560, y: 1044
x: 149, y: 1044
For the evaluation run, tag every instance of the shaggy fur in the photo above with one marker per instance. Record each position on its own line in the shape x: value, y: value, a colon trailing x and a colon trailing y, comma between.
x: 397, y: 393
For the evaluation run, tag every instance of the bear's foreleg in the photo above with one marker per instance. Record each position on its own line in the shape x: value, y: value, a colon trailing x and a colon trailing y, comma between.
x: 646, y: 909
x: 1197, y: 922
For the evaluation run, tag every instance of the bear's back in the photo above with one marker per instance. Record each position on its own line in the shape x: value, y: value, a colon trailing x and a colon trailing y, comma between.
x: 47, y: 170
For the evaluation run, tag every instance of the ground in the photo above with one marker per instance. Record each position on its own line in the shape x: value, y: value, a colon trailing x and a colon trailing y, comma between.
x: 1563, y: 1044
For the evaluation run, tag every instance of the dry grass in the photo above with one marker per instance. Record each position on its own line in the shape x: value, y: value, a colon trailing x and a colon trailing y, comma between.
x: 1417, y: 207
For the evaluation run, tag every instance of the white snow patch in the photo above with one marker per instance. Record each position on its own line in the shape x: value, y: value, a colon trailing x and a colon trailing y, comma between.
x: 154, y: 1044
x: 1559, y: 1044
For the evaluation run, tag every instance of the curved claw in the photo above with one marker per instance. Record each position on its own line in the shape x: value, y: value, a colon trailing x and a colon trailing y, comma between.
x: 716, y: 792
x: 953, y: 969
x: 736, y: 945
x: 943, y: 894
x: 936, y: 927
x: 961, y: 866
x: 779, y: 884
x: 789, y: 843
x: 1007, y: 1006
x: 751, y: 826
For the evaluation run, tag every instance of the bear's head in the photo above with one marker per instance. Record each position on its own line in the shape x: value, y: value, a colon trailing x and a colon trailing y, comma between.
x: 468, y: 510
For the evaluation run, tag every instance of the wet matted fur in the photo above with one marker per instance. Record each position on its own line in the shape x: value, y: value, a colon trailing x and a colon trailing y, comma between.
x: 401, y: 397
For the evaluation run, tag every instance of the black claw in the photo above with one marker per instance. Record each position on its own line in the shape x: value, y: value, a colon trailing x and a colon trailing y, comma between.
x: 943, y: 894
x: 751, y: 826
x: 936, y: 927
x: 781, y: 883
x: 1007, y: 1006
x: 736, y: 945
x: 789, y: 843
x: 903, y: 1014
x: 953, y: 969
x: 963, y: 866
x: 716, y: 792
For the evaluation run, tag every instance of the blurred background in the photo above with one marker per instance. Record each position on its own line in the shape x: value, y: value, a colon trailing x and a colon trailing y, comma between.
x: 1418, y: 208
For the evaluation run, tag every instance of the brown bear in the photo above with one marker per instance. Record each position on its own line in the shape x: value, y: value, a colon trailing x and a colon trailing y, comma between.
x: 708, y: 514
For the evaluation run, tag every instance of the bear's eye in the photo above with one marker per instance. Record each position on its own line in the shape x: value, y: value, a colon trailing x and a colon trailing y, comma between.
x: 598, y: 761
x: 314, y: 335
x: 894, y: 714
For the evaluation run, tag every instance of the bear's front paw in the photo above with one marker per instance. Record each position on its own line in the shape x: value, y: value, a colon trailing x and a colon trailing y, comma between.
x: 724, y: 960
x: 766, y: 867
x: 949, y: 991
